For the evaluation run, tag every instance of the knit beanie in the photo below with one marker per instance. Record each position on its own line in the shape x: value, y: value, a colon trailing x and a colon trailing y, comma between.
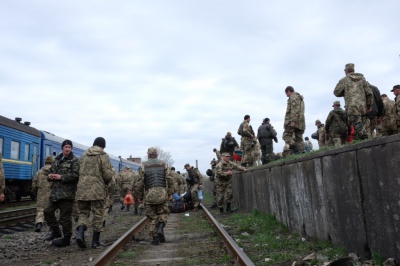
x: 99, y: 141
x: 49, y: 160
x: 66, y: 142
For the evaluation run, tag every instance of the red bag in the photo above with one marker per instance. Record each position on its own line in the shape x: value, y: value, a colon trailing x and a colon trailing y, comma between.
x: 351, y: 136
x: 128, y: 200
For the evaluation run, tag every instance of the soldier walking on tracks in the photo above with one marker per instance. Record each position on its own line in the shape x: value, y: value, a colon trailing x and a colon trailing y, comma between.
x: 195, y: 183
x: 64, y: 175
x: 95, y: 173
x: 41, y: 189
x: 155, y: 186
x: 224, y: 182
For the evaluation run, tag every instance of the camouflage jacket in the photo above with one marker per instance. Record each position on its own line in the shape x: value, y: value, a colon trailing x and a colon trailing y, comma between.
x: 222, y: 168
x: 336, y: 123
x: 195, y: 175
x: 154, y: 195
x: 177, y: 180
x: 356, y: 92
x: 295, y: 111
x: 126, y: 179
x: 2, y: 177
x: 248, y: 132
x: 309, y: 143
x: 397, y: 101
x: 322, y: 136
x: 41, y: 186
x: 68, y: 168
x: 389, y: 116
x: 95, y: 173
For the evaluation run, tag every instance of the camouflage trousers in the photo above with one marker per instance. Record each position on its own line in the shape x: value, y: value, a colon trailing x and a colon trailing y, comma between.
x: 123, y: 191
x: 194, y: 189
x: 214, y: 193
x: 65, y: 207
x: 108, y: 201
x: 40, y: 215
x: 370, y: 126
x: 359, y: 129
x: 224, y: 189
x: 97, y: 209
x: 294, y: 136
x: 247, y: 149
x: 75, y: 211
x: 267, y: 152
x: 157, y: 213
x: 338, y: 140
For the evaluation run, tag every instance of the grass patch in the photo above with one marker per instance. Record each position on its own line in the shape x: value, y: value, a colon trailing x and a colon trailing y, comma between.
x: 127, y: 255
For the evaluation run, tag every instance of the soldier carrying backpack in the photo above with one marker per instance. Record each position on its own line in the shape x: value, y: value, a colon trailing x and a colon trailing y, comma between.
x: 337, y: 125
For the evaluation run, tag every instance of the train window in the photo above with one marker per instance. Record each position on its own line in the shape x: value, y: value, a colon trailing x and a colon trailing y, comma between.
x: 15, y: 150
x: 47, y: 151
x: 26, y: 155
x: 1, y: 145
x: 35, y: 154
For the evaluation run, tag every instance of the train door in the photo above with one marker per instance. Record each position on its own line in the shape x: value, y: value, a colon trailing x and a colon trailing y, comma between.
x: 35, y: 159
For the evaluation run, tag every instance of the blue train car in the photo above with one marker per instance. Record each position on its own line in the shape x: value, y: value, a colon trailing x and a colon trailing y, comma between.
x: 20, y: 148
x: 119, y: 163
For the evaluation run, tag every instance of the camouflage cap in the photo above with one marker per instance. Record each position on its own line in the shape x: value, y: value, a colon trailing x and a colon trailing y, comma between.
x: 152, y: 150
x: 395, y: 87
x: 317, y: 121
x: 226, y: 154
x: 336, y: 103
x: 348, y: 66
x: 49, y: 160
x: 186, y: 165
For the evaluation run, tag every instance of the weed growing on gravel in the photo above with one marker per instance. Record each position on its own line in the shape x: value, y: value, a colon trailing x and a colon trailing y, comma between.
x: 267, y: 241
x: 127, y: 255
x: 7, y: 237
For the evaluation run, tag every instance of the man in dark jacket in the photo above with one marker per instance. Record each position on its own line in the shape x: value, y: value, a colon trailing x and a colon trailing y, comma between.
x: 266, y: 133
x: 64, y: 175
x: 229, y: 144
x: 336, y: 125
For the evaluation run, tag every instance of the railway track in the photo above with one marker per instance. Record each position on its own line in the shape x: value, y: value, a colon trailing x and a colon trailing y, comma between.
x: 14, y: 217
x: 13, y: 204
x: 107, y: 257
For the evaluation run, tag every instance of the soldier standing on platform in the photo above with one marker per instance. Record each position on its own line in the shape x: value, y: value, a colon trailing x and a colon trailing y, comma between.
x: 155, y: 186
x: 388, y: 119
x: 95, y: 173
x: 247, y: 141
x: 224, y: 182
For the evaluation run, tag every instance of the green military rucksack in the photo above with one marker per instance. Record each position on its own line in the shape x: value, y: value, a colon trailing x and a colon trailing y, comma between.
x: 240, y: 129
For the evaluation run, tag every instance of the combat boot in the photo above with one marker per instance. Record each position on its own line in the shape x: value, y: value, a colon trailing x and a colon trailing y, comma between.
x: 295, y: 149
x: 55, y: 233
x: 155, y: 240
x: 38, y: 227
x: 213, y: 206
x: 228, y: 207
x: 80, y: 238
x: 128, y: 208
x: 96, y: 240
x: 62, y: 242
x: 221, y: 210
x: 136, y: 212
x: 122, y: 207
x: 160, y: 232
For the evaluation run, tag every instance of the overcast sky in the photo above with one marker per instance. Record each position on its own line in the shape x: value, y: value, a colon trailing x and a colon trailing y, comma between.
x: 180, y: 74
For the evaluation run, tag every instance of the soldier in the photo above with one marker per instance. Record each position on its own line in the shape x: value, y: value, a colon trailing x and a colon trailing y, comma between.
x: 217, y: 153
x: 64, y: 175
x: 183, y: 186
x: 322, y: 136
x: 2, y: 180
x: 136, y: 205
x: 357, y: 97
x: 95, y: 173
x: 177, y: 181
x: 195, y: 183
x: 294, y: 122
x: 336, y: 125
x: 396, y: 92
x: 224, y: 182
x: 41, y: 189
x: 229, y: 144
x: 126, y: 179
x: 109, y: 198
x: 247, y: 141
x: 265, y: 134
x: 388, y: 119
x: 308, y: 144
x: 156, y: 187
x: 212, y: 179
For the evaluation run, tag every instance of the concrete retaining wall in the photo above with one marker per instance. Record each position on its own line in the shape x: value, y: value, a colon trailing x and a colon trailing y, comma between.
x: 349, y: 195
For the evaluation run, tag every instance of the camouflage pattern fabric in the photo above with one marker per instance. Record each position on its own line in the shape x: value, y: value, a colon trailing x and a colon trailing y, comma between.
x: 194, y: 188
x: 267, y: 153
x: 397, y: 101
x: 41, y: 188
x: 294, y: 136
x: 2, y: 176
x: 68, y: 168
x: 246, y: 143
x: 177, y: 182
x: 126, y: 179
x: 323, y: 139
x: 96, y: 207
x: 357, y: 122
x: 336, y: 126
x: 309, y: 143
x: 356, y: 92
x: 295, y: 111
x: 388, y: 125
x: 157, y: 213
x: 65, y: 207
x: 223, y: 181
x: 109, y: 199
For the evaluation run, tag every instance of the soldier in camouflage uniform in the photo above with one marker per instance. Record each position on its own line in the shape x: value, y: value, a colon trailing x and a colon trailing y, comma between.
x: 214, y: 185
x: 294, y: 124
x: 126, y: 179
x: 109, y: 198
x: 2, y: 180
x: 229, y: 144
x: 323, y: 138
x: 195, y: 183
x: 358, y: 99
x: 177, y: 181
x: 247, y: 141
x: 217, y: 153
x: 95, y: 173
x: 265, y: 134
x: 224, y: 182
x: 64, y: 175
x: 388, y: 119
x: 396, y: 92
x: 183, y: 187
x: 336, y: 125
x: 41, y: 189
x: 156, y: 187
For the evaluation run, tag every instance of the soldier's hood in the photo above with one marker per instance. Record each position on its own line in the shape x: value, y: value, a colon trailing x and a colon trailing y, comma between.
x: 95, y: 150
x: 355, y: 76
x: 296, y: 94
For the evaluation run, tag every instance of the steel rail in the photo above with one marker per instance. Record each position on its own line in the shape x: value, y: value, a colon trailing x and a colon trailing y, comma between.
x: 8, y: 218
x: 108, y: 255
x: 240, y: 258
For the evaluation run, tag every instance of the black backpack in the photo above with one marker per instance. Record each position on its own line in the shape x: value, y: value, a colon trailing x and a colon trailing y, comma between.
x: 240, y: 130
x: 377, y: 106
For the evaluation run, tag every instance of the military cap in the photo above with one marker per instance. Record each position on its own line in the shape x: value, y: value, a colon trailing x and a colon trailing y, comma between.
x: 49, y: 160
x: 348, y: 66
x: 152, y: 150
x: 317, y: 121
x: 186, y: 165
x: 395, y: 87
x: 226, y: 154
x: 229, y: 134
x: 336, y: 103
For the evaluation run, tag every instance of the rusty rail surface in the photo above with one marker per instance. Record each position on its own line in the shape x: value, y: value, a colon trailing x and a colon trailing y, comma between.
x: 9, y: 218
x: 239, y: 257
x: 108, y: 255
